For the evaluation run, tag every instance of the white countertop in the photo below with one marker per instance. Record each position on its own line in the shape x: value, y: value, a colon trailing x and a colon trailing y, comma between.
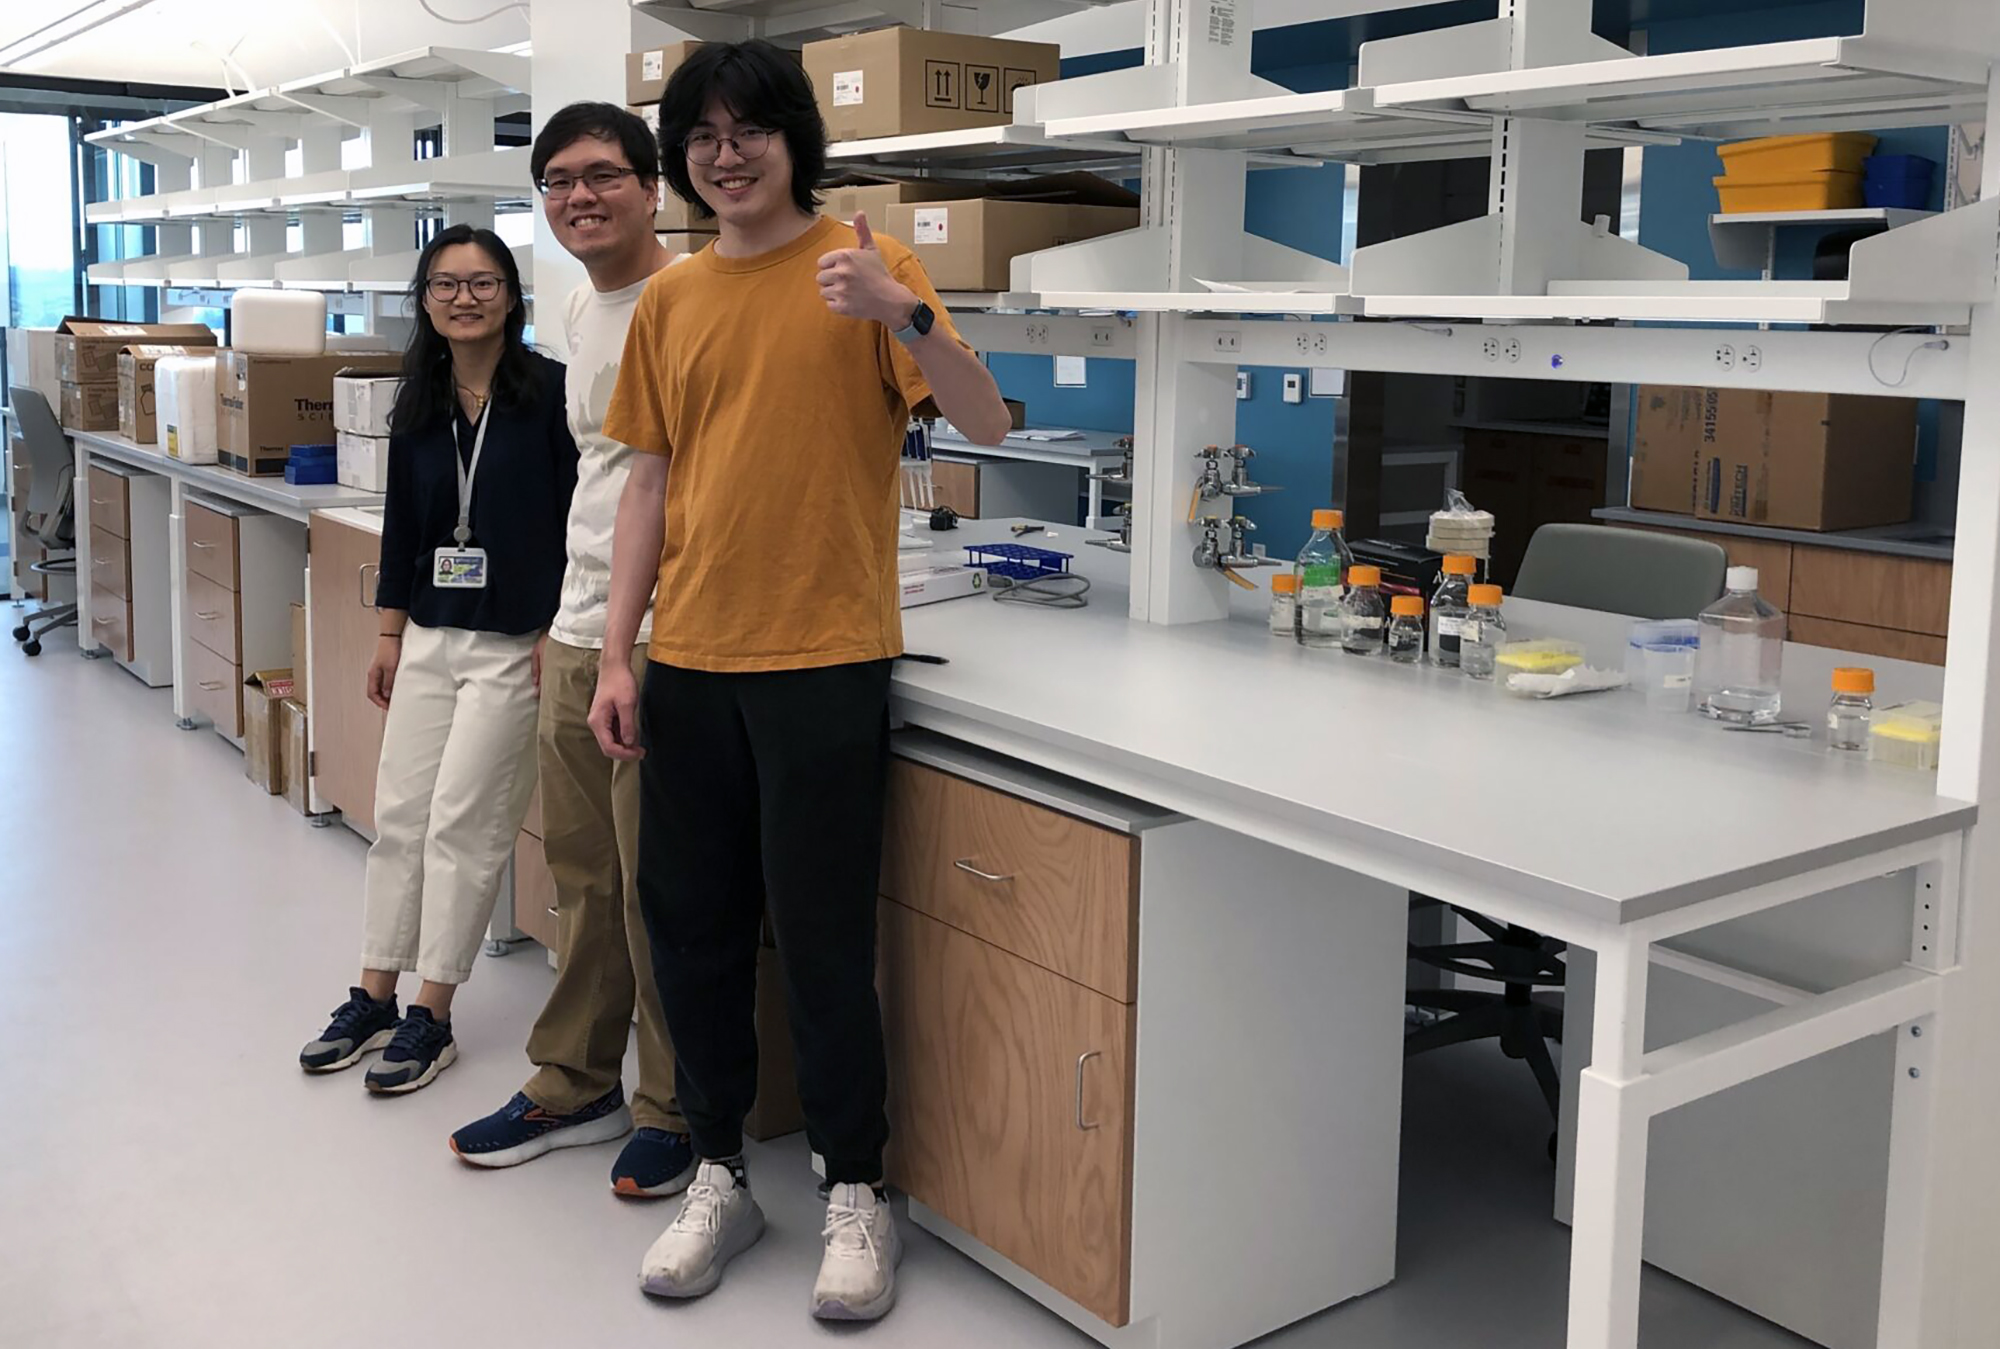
x: 273, y: 494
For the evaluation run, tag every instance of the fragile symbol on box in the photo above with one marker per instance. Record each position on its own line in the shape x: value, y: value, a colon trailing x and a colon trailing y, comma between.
x: 982, y: 92
x: 941, y: 81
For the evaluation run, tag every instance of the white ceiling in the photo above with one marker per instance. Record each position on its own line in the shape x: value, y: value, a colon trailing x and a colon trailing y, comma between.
x: 182, y: 41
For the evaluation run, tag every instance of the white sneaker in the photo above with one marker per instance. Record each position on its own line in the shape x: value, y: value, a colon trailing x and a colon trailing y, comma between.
x: 857, y: 1277
x: 718, y: 1221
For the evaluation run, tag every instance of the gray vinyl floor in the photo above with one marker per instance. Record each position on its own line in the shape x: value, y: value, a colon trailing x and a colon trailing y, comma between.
x: 169, y: 937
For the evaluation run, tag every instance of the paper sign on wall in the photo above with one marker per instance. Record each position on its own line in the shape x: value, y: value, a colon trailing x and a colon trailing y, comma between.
x: 1069, y: 372
x: 933, y: 225
x: 653, y: 65
x: 847, y: 88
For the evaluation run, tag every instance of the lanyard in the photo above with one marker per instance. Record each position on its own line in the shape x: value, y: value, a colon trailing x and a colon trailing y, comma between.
x: 463, y: 534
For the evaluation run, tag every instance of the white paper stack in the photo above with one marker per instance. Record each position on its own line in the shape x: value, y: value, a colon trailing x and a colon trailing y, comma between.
x: 184, y: 401
x: 361, y: 462
x: 362, y: 403
x: 278, y: 322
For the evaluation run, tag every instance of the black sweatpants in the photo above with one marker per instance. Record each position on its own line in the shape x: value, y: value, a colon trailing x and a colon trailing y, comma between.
x: 764, y: 792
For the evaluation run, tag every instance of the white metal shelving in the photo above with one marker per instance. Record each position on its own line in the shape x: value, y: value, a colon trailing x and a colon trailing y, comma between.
x: 791, y: 22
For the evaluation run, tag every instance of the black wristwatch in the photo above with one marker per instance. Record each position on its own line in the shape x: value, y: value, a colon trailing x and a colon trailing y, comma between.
x: 920, y: 323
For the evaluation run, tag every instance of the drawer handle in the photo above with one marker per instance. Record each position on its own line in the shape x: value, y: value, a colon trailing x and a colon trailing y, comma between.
x: 1082, y: 1059
x: 100, y: 622
x: 197, y: 543
x: 212, y: 685
x: 552, y: 912
x: 972, y: 870
x: 100, y: 562
x: 361, y: 576
x: 207, y: 615
x: 100, y: 501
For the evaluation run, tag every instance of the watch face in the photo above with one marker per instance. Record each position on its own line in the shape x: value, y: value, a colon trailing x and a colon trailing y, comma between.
x: 922, y: 319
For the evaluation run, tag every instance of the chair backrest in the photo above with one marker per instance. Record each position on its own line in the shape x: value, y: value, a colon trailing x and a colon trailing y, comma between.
x: 1622, y: 571
x: 51, y: 465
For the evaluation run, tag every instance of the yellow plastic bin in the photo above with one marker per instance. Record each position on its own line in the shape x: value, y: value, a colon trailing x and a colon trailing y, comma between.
x: 1786, y: 158
x: 1811, y: 192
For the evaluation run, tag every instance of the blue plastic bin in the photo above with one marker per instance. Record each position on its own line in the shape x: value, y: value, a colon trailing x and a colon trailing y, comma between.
x: 312, y: 465
x: 1899, y: 181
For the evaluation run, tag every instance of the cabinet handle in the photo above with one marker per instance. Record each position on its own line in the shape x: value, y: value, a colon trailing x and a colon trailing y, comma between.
x: 100, y: 622
x: 552, y: 912
x: 1082, y: 1059
x: 208, y: 615
x: 198, y: 543
x: 361, y: 578
x: 100, y: 562
x: 215, y: 685
x: 99, y: 501
x: 971, y: 870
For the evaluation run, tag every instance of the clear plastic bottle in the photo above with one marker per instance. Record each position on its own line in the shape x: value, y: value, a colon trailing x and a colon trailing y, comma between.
x: 1406, y: 630
x: 1853, y: 708
x: 1741, y: 661
x: 1449, y: 607
x: 1483, y: 632
x: 1364, y: 613
x: 1322, y: 568
x: 1284, y: 605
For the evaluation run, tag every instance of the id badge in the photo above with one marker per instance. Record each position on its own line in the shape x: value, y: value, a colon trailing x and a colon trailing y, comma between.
x: 459, y: 569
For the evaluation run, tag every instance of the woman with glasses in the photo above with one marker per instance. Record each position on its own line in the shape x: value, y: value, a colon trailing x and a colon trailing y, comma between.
x: 481, y: 469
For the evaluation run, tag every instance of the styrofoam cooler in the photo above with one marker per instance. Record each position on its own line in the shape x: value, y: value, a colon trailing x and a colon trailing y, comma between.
x: 184, y: 400
x: 278, y: 322
x: 362, y: 403
x: 362, y: 462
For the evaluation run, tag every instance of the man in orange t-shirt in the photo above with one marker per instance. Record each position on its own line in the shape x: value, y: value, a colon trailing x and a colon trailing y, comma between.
x: 768, y: 381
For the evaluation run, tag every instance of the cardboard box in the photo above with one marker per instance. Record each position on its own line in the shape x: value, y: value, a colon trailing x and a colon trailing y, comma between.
x: 137, y: 409
x: 362, y: 402
x: 87, y: 349
x: 685, y: 243
x: 1671, y: 430
x: 32, y: 362
x: 649, y: 113
x: 361, y: 462
x: 972, y: 244
x: 777, y: 1111
x: 1019, y: 410
x: 89, y: 407
x: 1528, y: 480
x: 903, y: 81
x: 647, y: 72
x: 301, y: 668
x: 263, y: 760
x: 267, y: 404
x: 863, y: 192
x: 679, y: 217
x: 295, y: 760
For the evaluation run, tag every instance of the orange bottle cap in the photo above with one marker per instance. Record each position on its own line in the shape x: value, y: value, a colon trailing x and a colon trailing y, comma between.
x: 1852, y: 680
x: 1486, y: 597
x: 1407, y: 606
x: 1284, y: 583
x: 1364, y: 576
x: 1328, y: 519
x: 1461, y: 564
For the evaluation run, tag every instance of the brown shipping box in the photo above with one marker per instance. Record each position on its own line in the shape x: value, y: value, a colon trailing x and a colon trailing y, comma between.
x: 1672, y: 428
x: 301, y: 667
x: 647, y: 72
x: 137, y: 413
x: 87, y: 349
x: 89, y: 407
x: 905, y: 81
x: 971, y: 245
x: 863, y: 192
x: 263, y: 760
x: 295, y: 762
x: 267, y: 404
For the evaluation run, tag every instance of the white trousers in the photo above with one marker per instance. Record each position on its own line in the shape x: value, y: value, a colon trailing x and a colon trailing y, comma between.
x: 457, y: 772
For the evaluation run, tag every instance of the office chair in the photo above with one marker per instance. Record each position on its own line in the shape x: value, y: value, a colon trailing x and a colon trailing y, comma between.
x: 1621, y: 571
x: 50, y: 514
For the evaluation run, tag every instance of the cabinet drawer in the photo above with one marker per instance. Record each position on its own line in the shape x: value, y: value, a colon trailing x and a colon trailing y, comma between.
x: 1899, y: 593
x: 111, y: 622
x: 211, y: 617
x: 1916, y: 646
x: 534, y: 891
x: 215, y: 689
x: 211, y: 544
x: 110, y: 502
x: 1040, y: 884
x: 110, y: 563
x: 1010, y: 1105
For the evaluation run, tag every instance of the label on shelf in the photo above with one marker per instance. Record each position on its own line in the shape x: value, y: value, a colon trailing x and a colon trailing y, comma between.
x: 653, y: 65
x: 933, y: 225
x: 847, y: 88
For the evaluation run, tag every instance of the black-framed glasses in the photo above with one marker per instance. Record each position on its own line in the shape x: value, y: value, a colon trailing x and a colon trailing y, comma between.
x: 444, y: 289
x: 705, y: 147
x: 598, y: 181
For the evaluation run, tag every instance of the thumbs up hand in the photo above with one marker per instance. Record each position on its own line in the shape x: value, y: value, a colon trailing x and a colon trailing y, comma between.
x: 856, y: 283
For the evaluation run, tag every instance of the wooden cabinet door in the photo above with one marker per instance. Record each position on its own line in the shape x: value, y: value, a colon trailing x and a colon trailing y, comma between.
x: 1010, y: 1093
x: 956, y: 484
x: 347, y: 730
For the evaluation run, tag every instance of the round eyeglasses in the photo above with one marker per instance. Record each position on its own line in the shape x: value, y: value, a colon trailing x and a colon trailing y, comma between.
x: 705, y: 147
x: 444, y: 289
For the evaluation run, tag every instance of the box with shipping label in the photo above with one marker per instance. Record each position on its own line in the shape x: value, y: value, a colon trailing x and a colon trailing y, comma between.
x: 971, y: 245
x: 138, y: 404
x: 361, y: 462
x: 89, y: 407
x: 1672, y: 428
x: 294, y: 755
x: 647, y: 72
x: 32, y: 362
x: 649, y: 113
x: 267, y: 404
x: 87, y: 349
x: 262, y: 758
x: 905, y: 81
x: 301, y: 669
x: 853, y: 192
x: 363, y: 400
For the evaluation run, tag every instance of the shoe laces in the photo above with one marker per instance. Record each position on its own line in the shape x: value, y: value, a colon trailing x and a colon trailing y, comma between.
x: 349, y: 1017
x: 415, y: 1038
x: 850, y: 1233
x: 701, y: 1211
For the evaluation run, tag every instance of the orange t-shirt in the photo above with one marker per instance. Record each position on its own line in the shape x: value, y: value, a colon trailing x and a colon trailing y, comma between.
x: 784, y: 423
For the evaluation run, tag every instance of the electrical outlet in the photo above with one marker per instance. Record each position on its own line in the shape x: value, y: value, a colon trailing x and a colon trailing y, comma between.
x: 1725, y: 357
x: 1511, y: 349
x: 1038, y: 334
x: 1752, y: 358
x: 1319, y: 344
x: 1295, y: 388
x: 1242, y: 383
x: 1100, y: 337
x: 1229, y: 340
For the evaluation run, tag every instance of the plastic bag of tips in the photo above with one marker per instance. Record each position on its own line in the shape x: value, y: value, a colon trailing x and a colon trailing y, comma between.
x: 1459, y: 528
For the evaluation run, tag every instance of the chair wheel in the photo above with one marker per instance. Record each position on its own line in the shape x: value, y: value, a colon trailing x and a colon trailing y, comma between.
x: 32, y: 648
x: 21, y: 634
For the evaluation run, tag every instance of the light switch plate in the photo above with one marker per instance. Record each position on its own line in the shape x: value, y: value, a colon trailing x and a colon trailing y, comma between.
x: 1242, y: 383
x: 1294, y: 388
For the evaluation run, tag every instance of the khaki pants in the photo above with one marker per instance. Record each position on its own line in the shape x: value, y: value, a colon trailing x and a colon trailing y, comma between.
x: 456, y: 775
x: 590, y: 829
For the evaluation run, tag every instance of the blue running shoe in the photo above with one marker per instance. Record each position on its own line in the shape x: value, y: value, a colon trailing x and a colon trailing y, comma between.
x: 359, y: 1026
x: 653, y: 1165
x: 521, y: 1131
x: 421, y: 1048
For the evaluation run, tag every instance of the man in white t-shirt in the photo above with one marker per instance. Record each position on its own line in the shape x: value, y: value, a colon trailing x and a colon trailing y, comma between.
x: 598, y: 169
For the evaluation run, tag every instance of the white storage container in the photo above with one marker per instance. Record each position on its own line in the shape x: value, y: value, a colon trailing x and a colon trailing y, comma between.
x: 362, y: 403
x: 184, y: 399
x: 278, y: 322
x: 362, y: 462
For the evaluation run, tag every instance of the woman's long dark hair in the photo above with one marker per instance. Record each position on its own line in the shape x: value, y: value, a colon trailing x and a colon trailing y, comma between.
x: 427, y: 397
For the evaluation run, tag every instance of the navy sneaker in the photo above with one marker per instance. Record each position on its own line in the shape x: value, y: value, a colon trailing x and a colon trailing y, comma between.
x: 421, y: 1048
x: 521, y: 1131
x: 653, y: 1165
x: 359, y: 1026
